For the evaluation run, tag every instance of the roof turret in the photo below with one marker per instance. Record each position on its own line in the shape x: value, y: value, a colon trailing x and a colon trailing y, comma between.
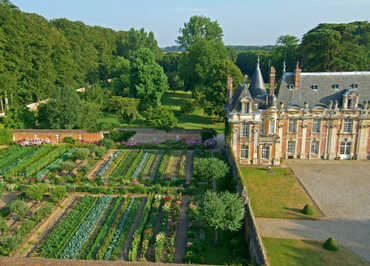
x: 257, y: 88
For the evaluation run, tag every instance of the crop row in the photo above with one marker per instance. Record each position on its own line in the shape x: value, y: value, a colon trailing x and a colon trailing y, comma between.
x: 82, y: 234
x: 107, y: 164
x: 140, y: 165
x: 135, y: 164
x: 115, y: 162
x: 124, y: 166
x: 11, y: 153
x: 20, y: 157
x: 42, y: 162
x: 56, y: 163
x: 59, y: 236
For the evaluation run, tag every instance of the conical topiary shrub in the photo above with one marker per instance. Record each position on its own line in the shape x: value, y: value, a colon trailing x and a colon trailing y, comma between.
x: 307, y: 210
x: 331, y: 244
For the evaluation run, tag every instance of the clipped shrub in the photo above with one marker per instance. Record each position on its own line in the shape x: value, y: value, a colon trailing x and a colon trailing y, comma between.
x: 58, y: 193
x: 81, y: 154
x: 307, y: 210
x: 331, y: 244
x: 69, y: 140
x: 36, y: 192
x: 107, y: 143
x: 208, y: 133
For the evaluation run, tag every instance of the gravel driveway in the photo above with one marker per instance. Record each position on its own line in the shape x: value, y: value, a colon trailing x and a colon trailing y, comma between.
x: 342, y: 191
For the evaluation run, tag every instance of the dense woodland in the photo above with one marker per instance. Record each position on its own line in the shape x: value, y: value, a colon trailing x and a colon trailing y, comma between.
x: 126, y: 73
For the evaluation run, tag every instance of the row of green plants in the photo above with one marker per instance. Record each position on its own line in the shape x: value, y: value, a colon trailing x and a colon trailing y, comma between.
x: 123, y: 167
x: 10, y: 154
x: 135, y: 163
x: 160, y: 239
x: 60, y: 235
x: 148, y: 165
x: 20, y: 156
x: 79, y: 238
x: 9, y: 243
x: 116, y: 161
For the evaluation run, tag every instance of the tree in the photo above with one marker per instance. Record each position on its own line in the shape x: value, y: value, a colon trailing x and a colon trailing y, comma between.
x: 187, y: 106
x: 67, y: 166
x: 36, y: 192
x: 137, y: 39
x: 211, y: 169
x: 121, y: 76
x: 18, y: 208
x: 125, y: 107
x: 199, y: 27
x: 18, y: 117
x: 222, y: 211
x: 89, y: 116
x: 58, y: 193
x: 286, y: 50
x: 62, y: 111
x: 161, y: 117
x: 170, y: 63
x: 148, y: 80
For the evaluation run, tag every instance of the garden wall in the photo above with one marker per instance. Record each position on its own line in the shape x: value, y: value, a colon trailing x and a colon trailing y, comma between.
x: 56, y: 135
x: 155, y: 136
x: 252, y: 236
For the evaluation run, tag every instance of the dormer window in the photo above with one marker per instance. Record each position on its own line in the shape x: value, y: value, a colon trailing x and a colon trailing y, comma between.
x: 291, y: 86
x: 354, y: 86
x: 246, y: 108
x: 315, y: 87
x: 335, y: 86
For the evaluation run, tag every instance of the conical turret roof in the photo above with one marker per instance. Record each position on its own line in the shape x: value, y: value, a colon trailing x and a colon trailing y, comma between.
x: 257, y: 87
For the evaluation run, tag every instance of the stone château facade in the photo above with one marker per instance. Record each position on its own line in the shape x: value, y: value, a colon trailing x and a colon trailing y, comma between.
x: 305, y: 116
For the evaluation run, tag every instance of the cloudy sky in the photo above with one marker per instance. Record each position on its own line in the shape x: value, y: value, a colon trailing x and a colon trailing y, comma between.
x: 247, y: 22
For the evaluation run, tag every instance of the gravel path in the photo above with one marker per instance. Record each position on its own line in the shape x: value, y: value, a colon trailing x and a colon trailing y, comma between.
x: 344, y: 196
x: 181, y: 233
x: 189, y: 166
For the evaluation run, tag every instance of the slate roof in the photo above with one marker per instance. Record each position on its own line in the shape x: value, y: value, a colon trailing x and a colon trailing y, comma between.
x: 257, y: 87
x: 240, y: 93
x: 325, y: 91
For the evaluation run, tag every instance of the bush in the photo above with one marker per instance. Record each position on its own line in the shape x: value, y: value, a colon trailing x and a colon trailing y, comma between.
x: 208, y: 133
x: 19, y: 208
x: 81, y: 154
x: 58, y: 193
x: 107, y: 143
x: 100, y: 151
x: 36, y: 192
x: 307, y: 210
x: 69, y: 140
x: 67, y: 166
x: 331, y: 244
x: 121, y: 135
x: 187, y: 107
x: 83, y: 169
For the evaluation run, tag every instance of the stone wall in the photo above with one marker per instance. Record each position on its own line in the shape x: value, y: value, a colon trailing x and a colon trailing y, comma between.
x: 56, y: 135
x: 252, y: 236
x: 153, y: 136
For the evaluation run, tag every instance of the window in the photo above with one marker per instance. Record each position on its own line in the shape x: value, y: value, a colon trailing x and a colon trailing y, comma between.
x: 335, y: 86
x: 272, y: 126
x: 246, y: 108
x: 291, y: 146
x: 263, y: 127
x: 349, y: 103
x: 345, y: 148
x: 354, y: 86
x: 348, y: 125
x: 315, y: 87
x: 265, y: 152
x: 245, y: 130
x: 291, y: 86
x: 292, y: 125
x: 315, y: 147
x: 316, y: 126
x: 245, y: 152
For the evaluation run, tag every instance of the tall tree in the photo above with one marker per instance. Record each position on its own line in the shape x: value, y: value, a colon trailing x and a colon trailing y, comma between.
x: 199, y: 27
x: 148, y: 80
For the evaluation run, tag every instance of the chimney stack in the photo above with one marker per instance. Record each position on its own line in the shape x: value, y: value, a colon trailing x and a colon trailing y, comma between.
x: 229, y: 89
x: 297, y: 76
x: 272, y: 80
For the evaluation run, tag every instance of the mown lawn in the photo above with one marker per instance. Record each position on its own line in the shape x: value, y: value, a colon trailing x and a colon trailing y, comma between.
x: 276, y: 193
x: 303, y: 252
x: 196, y: 120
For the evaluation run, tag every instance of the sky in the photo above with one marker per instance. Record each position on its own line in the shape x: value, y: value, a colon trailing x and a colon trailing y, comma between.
x: 244, y: 22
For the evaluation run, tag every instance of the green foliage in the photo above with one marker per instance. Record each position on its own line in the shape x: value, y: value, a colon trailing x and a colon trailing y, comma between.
x: 222, y: 211
x: 58, y: 193
x: 208, y: 133
x: 331, y: 244
x: 6, y: 136
x: 18, y: 208
x: 81, y: 154
x: 18, y: 117
x: 148, y: 80
x: 67, y: 166
x: 337, y: 47
x: 107, y: 143
x: 36, y: 192
x: 187, y: 106
x: 161, y: 117
x: 90, y: 113
x: 121, y: 135
x: 208, y: 168
x: 121, y: 76
x: 3, y: 225
x: 307, y: 210
x: 199, y: 27
x: 69, y: 140
x: 62, y: 111
x: 126, y: 108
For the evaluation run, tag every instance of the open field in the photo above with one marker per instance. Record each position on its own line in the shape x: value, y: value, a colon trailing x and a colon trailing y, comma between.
x: 276, y: 193
x: 196, y: 120
x: 304, y: 252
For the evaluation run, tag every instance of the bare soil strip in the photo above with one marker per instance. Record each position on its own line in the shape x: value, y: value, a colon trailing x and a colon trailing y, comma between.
x: 181, y: 233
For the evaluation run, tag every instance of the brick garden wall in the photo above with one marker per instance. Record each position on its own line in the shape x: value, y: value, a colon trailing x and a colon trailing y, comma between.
x: 56, y: 135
